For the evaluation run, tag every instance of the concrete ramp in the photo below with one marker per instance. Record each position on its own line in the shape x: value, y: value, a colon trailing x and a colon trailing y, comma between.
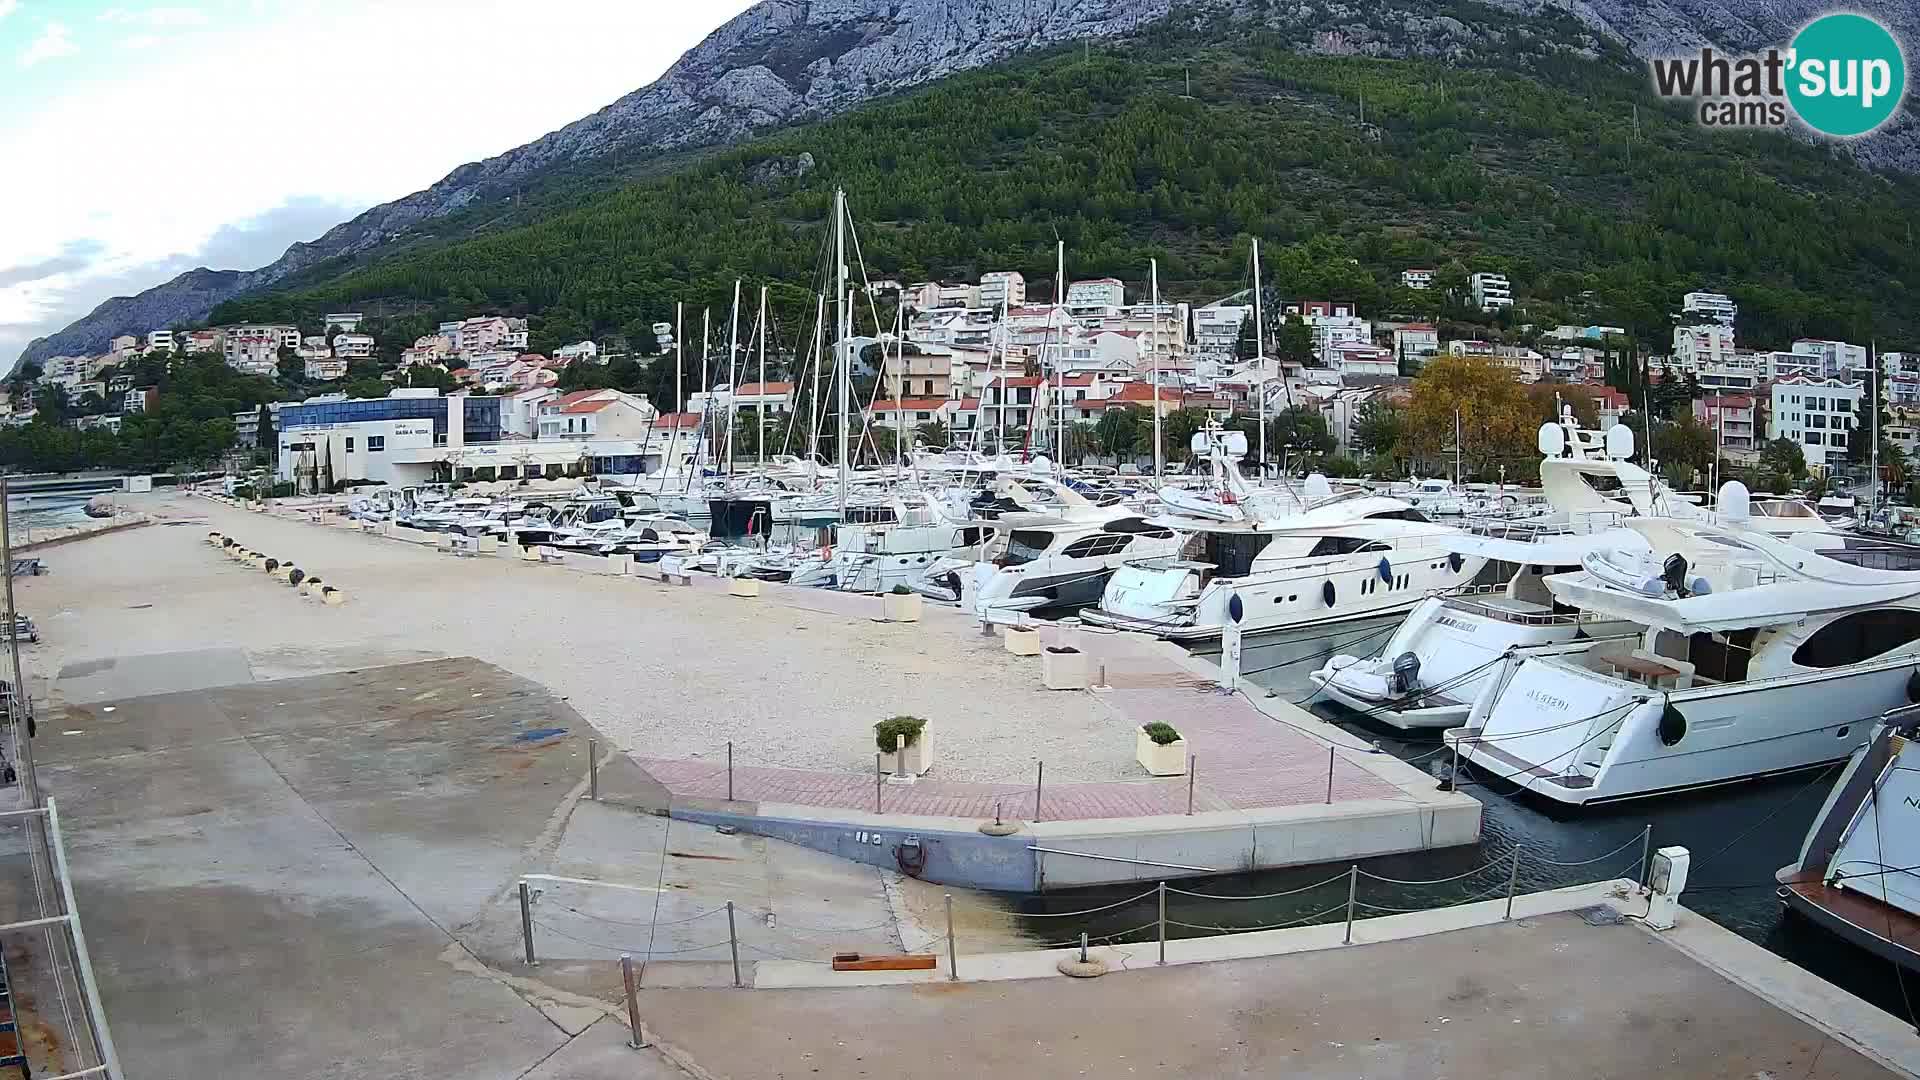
x: 114, y: 677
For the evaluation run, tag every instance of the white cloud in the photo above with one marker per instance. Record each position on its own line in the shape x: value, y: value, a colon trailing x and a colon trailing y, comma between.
x: 52, y: 43
x: 154, y: 17
x: 244, y: 141
x: 8, y: 7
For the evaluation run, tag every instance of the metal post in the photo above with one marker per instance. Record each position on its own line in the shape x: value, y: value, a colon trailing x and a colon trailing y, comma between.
x: 639, y: 1040
x: 1163, y: 924
x: 1513, y: 881
x: 1083, y: 946
x: 1353, y: 887
x: 1039, y: 781
x: 22, y: 702
x: 1192, y: 763
x: 526, y: 924
x: 733, y: 943
x: 953, y: 961
x: 593, y: 770
x: 1646, y: 854
x: 729, y: 770
x: 83, y: 964
x: 1453, y: 778
x: 1330, y: 753
x: 876, y: 782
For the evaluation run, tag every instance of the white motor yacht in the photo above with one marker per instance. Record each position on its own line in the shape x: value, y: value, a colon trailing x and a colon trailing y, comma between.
x: 1754, y: 656
x: 1335, y: 559
x: 1429, y: 672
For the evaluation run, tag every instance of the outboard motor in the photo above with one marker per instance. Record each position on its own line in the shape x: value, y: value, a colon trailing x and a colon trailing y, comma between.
x: 1674, y: 573
x: 1406, y: 673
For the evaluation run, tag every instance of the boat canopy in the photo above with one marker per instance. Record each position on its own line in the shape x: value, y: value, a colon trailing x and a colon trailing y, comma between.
x: 1556, y: 550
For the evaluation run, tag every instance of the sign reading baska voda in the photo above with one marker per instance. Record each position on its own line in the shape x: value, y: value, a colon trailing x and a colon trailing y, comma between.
x: 1843, y: 75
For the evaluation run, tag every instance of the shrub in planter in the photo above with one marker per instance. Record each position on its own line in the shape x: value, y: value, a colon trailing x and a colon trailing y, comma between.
x: 886, y: 732
x: 1160, y: 750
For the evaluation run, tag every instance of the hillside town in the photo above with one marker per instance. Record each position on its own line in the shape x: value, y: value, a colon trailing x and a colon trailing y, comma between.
x: 983, y: 365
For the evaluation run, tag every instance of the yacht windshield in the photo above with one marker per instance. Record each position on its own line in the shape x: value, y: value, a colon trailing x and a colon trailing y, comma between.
x: 1025, y: 545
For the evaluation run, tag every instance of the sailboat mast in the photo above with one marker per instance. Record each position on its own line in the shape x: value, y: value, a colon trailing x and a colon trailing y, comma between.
x: 733, y: 372
x: 706, y: 377
x: 679, y: 401
x: 899, y: 394
x: 1259, y: 358
x: 1159, y: 452
x: 1059, y: 356
x: 1456, y: 449
x: 761, y: 411
x: 1873, y: 424
x: 842, y: 365
x: 819, y: 360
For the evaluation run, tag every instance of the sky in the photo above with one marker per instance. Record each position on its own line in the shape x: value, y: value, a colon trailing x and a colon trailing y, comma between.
x: 140, y: 140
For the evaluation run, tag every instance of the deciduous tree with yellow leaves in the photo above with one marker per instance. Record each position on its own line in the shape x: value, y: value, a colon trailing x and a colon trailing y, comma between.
x: 1497, y: 421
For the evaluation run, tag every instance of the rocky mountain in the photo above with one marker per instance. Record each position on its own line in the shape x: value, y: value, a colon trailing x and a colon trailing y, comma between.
x: 784, y: 61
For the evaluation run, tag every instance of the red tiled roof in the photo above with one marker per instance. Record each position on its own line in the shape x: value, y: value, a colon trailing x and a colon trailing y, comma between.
x: 1018, y: 380
x: 969, y: 404
x: 678, y: 420
x: 754, y: 389
x: 1417, y: 326
x: 911, y: 405
x: 593, y: 406
x: 578, y: 395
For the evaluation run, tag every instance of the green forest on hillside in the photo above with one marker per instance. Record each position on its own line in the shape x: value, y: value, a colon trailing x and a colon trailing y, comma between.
x: 1601, y: 203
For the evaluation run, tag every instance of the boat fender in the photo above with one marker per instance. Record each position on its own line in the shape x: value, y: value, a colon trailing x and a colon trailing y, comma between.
x: 1913, y: 686
x: 1673, y: 725
x: 1455, y: 561
x: 1386, y: 569
x: 911, y: 858
x: 1326, y: 593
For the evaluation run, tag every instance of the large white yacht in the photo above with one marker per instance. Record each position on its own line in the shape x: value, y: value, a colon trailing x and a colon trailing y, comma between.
x: 1324, y: 559
x: 1753, y: 656
x: 1858, y: 871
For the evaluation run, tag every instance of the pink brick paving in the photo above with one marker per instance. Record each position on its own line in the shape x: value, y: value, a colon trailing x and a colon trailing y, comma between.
x: 1254, y: 762
x: 1245, y: 760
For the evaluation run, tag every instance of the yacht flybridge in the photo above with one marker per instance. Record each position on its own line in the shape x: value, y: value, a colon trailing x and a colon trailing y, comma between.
x: 1317, y: 559
x: 1752, y: 656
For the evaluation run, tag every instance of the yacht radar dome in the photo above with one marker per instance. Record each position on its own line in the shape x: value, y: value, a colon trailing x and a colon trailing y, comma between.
x: 1553, y: 440
x: 1620, y: 442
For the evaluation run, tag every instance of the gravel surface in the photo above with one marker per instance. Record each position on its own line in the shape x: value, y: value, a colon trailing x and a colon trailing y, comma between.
x: 663, y: 671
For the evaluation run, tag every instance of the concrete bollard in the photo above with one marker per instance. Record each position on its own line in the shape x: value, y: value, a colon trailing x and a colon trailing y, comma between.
x: 743, y: 586
x: 271, y: 566
x: 310, y: 586
x: 295, y: 576
x: 331, y: 596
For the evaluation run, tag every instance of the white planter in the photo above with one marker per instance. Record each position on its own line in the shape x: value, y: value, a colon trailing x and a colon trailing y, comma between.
x: 1168, y: 760
x: 1064, y: 670
x: 743, y: 586
x: 915, y: 760
x: 902, y: 608
x: 1021, y: 641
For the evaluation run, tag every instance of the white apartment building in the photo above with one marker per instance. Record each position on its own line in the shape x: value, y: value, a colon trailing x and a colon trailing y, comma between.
x: 597, y: 414
x: 1791, y: 365
x: 1708, y: 307
x: 159, y: 341
x: 1836, y: 357
x: 1008, y: 287
x: 1098, y: 292
x: 1706, y: 343
x: 1491, y: 291
x: 1901, y: 374
x: 1417, y: 278
x: 579, y: 350
x: 344, y: 321
x: 326, y: 369
x: 1357, y: 358
x: 1819, y: 414
x: 1416, y: 343
x: 487, y: 333
x: 255, y: 349
x: 1331, y: 331
x: 353, y: 346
